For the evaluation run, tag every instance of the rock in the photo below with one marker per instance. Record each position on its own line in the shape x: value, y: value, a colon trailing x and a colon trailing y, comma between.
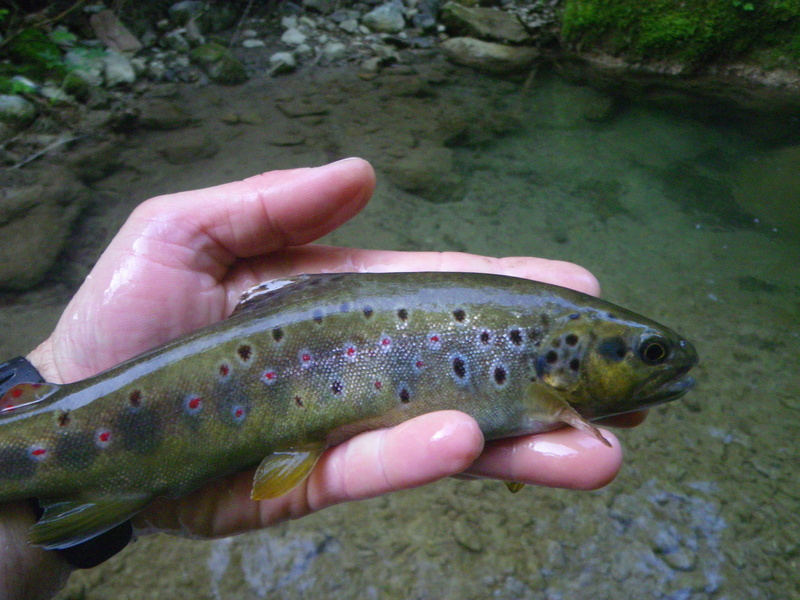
x: 16, y: 110
x: 282, y: 62
x: 306, y: 106
x: 220, y: 65
x: 117, y: 69
x: 333, y: 51
x: 293, y: 37
x: 488, y: 56
x: 251, y: 43
x: 486, y: 23
x: 87, y: 65
x: 428, y: 172
x: 34, y: 224
x: 349, y: 25
x: 163, y: 115
x: 387, y: 18
x: 181, y: 12
x: 114, y: 35
x: 187, y: 147
x: 321, y: 6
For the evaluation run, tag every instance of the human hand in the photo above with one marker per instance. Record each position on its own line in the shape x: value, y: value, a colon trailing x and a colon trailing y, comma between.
x: 181, y: 262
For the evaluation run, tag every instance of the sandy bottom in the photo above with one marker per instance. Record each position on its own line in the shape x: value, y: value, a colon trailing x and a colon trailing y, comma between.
x: 707, y: 503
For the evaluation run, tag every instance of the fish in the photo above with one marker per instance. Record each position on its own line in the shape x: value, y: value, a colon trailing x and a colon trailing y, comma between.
x: 307, y: 362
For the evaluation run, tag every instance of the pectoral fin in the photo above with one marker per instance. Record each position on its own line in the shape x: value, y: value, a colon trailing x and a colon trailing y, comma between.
x: 281, y: 471
x: 66, y: 523
x: 558, y: 410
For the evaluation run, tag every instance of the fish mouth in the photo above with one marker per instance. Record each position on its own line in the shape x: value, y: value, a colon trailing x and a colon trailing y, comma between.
x: 673, y: 385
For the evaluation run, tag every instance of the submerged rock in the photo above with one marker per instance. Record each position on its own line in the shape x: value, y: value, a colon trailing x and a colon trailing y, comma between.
x: 428, y: 172
x: 34, y: 224
x: 488, y: 56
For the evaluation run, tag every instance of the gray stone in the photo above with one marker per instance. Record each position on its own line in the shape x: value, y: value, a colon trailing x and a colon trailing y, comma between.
x: 117, y: 69
x: 349, y: 25
x: 251, y: 43
x: 16, y: 110
x: 293, y: 37
x: 321, y: 6
x: 488, y: 56
x: 486, y: 23
x: 282, y: 62
x: 333, y: 51
x: 34, y: 224
x: 175, y: 40
x: 163, y: 115
x: 387, y: 18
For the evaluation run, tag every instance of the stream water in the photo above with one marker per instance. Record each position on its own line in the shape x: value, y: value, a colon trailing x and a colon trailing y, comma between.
x: 696, y: 225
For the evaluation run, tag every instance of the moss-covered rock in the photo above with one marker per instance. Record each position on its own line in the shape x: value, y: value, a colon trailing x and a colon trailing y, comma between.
x: 689, y: 31
x: 219, y: 63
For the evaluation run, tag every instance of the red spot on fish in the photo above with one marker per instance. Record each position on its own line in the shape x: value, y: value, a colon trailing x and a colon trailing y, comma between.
x: 434, y: 341
x: 386, y: 341
x: 305, y: 358
x: 269, y: 376
x: 350, y: 351
x: 193, y: 404
x: 238, y: 412
x: 102, y: 437
x: 16, y: 393
x: 419, y: 364
x: 378, y: 385
x: 135, y: 398
x: 224, y: 370
x: 37, y: 452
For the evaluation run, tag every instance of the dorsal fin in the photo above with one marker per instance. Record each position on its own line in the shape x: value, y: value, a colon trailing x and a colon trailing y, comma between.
x: 24, y: 396
x: 267, y: 292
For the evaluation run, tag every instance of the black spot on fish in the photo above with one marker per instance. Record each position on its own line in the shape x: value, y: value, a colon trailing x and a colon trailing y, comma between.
x: 613, y: 348
x: 317, y: 317
x: 515, y: 335
x: 139, y: 431
x: 76, y: 449
x: 459, y: 367
x: 16, y: 463
x: 277, y: 334
x: 405, y: 395
x: 135, y: 398
x: 486, y: 337
x: 575, y: 316
x: 575, y: 364
x: 500, y: 375
x: 571, y: 339
x: 336, y: 387
x: 299, y: 401
x: 459, y: 315
x: 535, y: 335
x: 63, y: 418
x: 551, y: 357
x: 402, y: 314
x: 367, y: 310
x: 245, y: 352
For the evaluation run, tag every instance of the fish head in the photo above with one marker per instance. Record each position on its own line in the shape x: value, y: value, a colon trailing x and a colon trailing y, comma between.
x: 605, y: 365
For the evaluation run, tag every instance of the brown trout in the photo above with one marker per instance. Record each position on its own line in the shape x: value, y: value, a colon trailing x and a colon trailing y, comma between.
x: 308, y: 362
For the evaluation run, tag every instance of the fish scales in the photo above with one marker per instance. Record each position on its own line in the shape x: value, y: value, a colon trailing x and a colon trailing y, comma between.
x: 306, y: 363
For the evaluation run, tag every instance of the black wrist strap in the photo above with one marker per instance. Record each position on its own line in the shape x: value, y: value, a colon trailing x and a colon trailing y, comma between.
x: 98, y: 549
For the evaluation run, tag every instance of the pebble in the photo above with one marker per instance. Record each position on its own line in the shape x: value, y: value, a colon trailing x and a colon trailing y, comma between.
x: 293, y: 37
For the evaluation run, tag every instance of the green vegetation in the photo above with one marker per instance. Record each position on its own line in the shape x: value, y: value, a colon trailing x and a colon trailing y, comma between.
x: 689, y: 31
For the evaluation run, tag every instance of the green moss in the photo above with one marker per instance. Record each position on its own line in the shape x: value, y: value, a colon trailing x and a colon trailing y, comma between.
x: 36, y: 55
x: 691, y: 31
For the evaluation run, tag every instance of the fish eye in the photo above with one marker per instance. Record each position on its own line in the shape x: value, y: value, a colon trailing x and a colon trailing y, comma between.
x: 654, y: 350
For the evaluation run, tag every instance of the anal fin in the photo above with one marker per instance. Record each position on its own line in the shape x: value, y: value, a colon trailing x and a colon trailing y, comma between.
x: 66, y: 523
x: 281, y: 471
x: 514, y: 486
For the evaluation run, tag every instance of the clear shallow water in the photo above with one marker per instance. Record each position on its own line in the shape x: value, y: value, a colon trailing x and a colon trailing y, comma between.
x: 663, y: 209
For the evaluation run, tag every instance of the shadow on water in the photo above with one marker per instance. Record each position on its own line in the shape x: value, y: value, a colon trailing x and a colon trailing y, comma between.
x: 690, y: 221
